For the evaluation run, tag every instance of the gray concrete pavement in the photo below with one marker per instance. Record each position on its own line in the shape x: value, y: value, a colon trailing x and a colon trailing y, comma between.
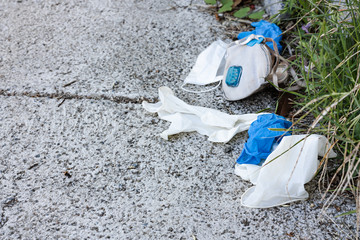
x: 93, y: 166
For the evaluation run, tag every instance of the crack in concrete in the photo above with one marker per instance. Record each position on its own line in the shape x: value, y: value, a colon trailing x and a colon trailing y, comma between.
x: 64, y: 96
x: 3, y: 219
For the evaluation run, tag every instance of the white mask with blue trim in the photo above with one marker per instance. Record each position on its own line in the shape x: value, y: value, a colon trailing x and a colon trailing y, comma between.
x: 248, y: 64
x: 242, y: 67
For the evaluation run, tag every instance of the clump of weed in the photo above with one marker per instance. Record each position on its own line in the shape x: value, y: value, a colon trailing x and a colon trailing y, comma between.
x: 326, y: 38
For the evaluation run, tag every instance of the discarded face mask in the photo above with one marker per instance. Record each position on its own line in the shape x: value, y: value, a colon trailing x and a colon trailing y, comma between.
x: 282, y: 176
x: 242, y: 67
x: 207, y: 68
x: 218, y: 126
x: 250, y: 64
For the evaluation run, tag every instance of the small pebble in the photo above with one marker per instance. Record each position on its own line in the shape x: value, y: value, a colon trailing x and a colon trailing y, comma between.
x: 228, y: 149
x: 122, y: 187
x: 133, y: 166
x: 9, y: 202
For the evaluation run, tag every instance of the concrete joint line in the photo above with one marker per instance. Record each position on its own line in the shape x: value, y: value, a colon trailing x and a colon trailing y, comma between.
x: 64, y: 96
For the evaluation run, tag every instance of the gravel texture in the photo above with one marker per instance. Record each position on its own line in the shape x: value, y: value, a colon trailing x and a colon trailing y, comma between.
x: 81, y: 159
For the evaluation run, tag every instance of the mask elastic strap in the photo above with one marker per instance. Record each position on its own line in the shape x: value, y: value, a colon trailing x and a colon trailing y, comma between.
x: 299, y: 83
x: 248, y: 39
x: 276, y: 54
x: 202, y: 91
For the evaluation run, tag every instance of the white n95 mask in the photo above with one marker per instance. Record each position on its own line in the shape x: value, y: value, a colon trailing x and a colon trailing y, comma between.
x: 246, y: 68
x: 208, y: 67
x: 242, y: 67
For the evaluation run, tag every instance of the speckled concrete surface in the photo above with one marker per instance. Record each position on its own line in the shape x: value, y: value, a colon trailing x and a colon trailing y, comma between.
x: 94, y: 166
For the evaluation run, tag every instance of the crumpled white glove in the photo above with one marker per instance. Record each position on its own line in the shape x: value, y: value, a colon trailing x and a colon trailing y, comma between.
x: 282, y: 176
x: 219, y: 126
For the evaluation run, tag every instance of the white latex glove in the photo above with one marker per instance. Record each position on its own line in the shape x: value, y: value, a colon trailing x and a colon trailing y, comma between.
x: 281, y: 178
x: 219, y: 126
